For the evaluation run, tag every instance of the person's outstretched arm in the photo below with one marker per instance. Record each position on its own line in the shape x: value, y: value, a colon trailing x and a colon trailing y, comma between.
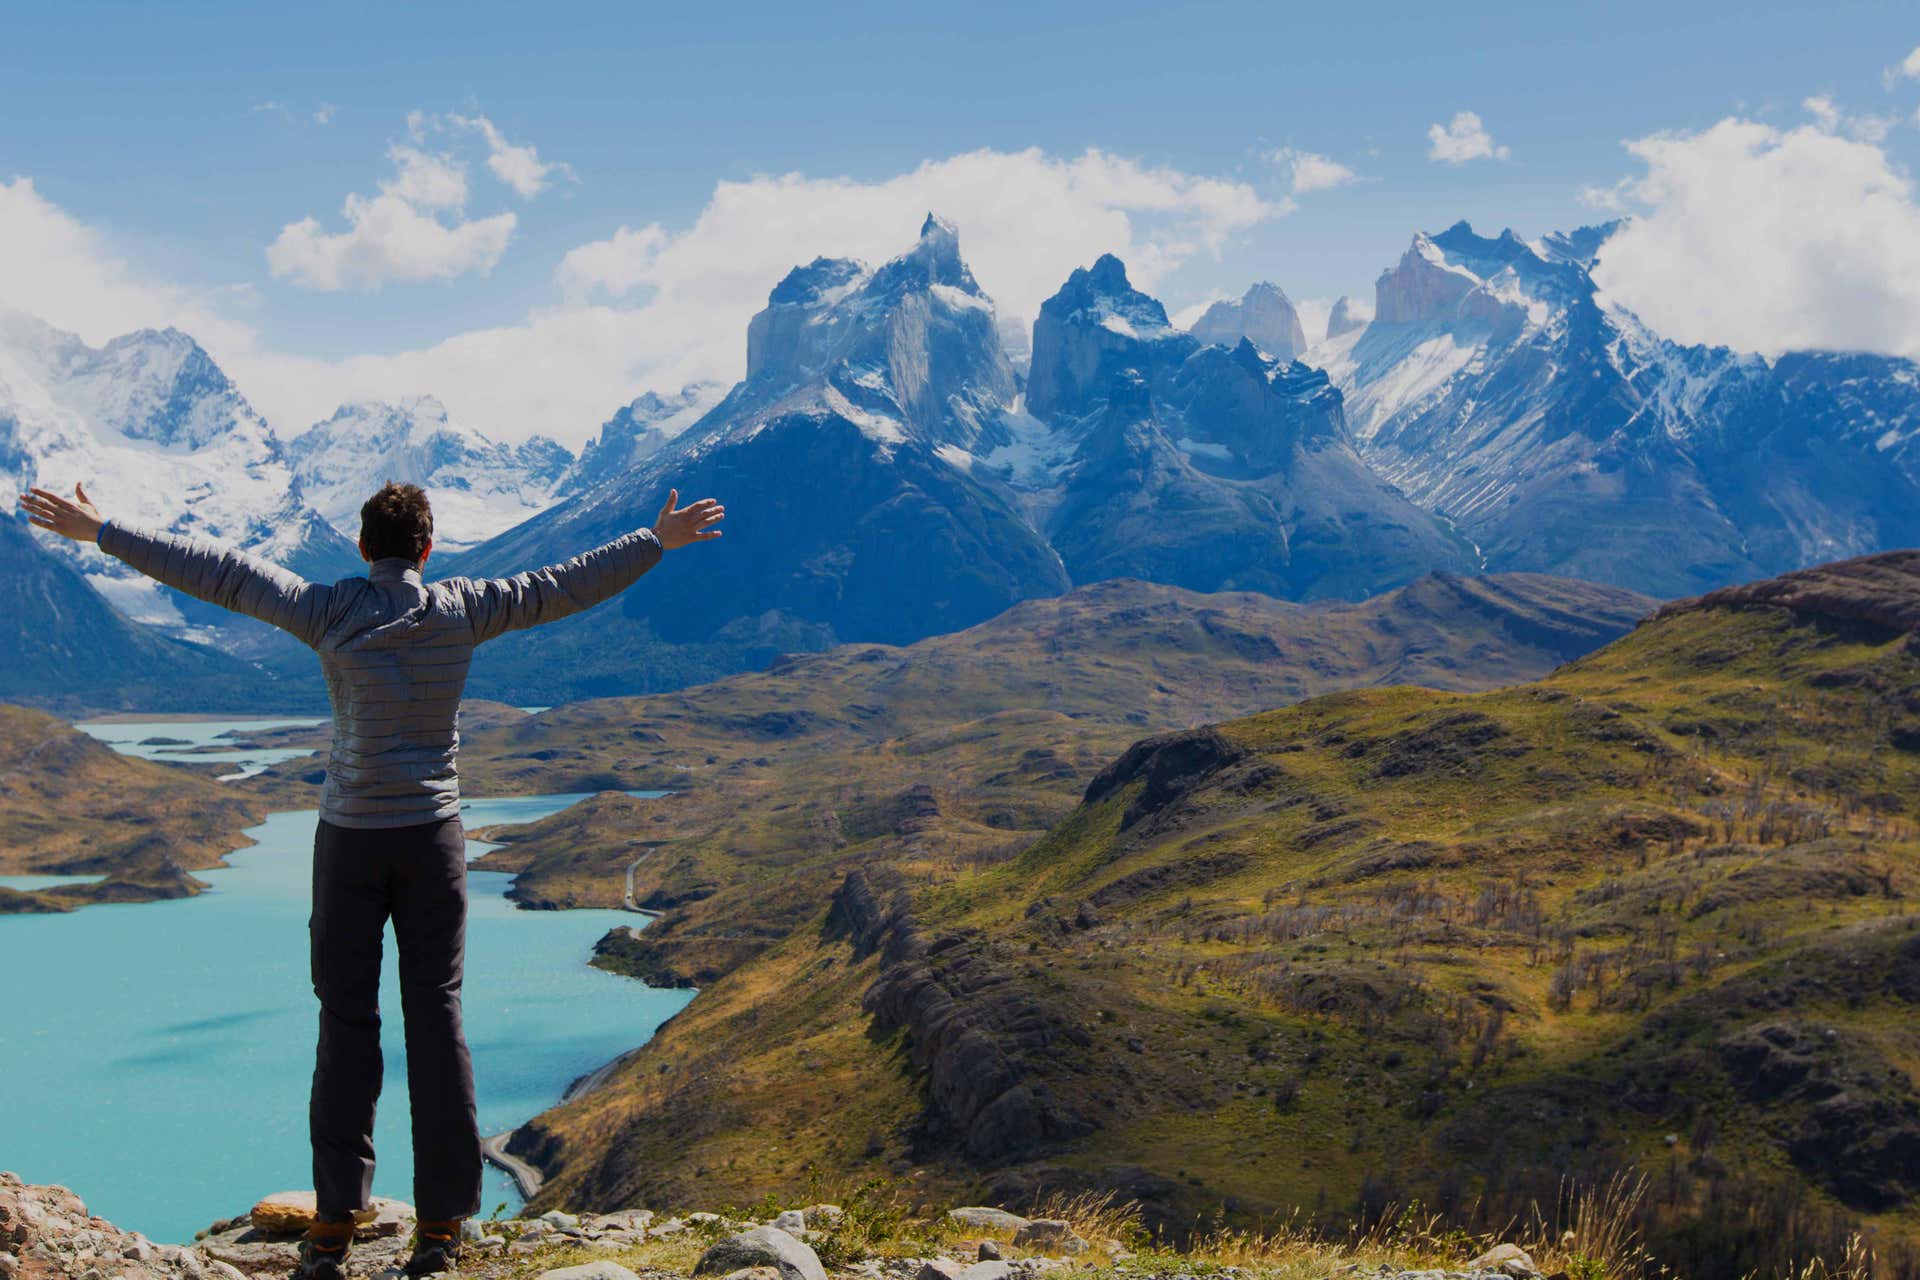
x: 205, y: 570
x: 499, y: 605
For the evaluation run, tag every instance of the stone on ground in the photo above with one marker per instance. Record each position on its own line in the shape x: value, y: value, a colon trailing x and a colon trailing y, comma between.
x: 1506, y: 1259
x: 792, y: 1221
x: 990, y: 1251
x: 995, y: 1270
x: 761, y: 1247
x: 940, y: 1269
x: 986, y: 1218
x: 290, y: 1213
x: 602, y: 1270
x: 1049, y: 1235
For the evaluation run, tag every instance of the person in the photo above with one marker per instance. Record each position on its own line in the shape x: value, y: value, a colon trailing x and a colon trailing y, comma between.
x: 395, y: 651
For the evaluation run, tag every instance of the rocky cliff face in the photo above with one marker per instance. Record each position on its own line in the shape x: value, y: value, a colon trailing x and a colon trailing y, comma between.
x: 1254, y: 453
x: 849, y: 441
x: 1264, y: 316
x: 985, y: 1044
x: 636, y: 433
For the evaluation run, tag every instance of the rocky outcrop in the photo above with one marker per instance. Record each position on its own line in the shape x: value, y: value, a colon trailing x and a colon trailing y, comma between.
x: 46, y: 1232
x: 978, y: 1032
x: 1882, y: 591
x: 1169, y: 764
x: 1264, y: 315
x: 1858, y: 1132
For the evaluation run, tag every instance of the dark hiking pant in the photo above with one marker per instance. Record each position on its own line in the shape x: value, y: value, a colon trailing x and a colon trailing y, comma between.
x: 418, y: 876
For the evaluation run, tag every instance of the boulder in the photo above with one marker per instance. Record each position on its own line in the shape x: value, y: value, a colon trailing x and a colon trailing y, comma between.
x: 990, y: 1251
x: 290, y: 1213
x: 988, y: 1271
x: 601, y: 1270
x: 940, y: 1269
x: 761, y: 1247
x: 1507, y: 1260
x: 1049, y: 1235
x: 565, y: 1223
x: 819, y: 1217
x: 753, y: 1273
x: 793, y: 1221
x: 986, y: 1218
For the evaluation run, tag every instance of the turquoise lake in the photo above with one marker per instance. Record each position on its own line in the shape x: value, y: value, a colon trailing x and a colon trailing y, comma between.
x: 156, y: 1056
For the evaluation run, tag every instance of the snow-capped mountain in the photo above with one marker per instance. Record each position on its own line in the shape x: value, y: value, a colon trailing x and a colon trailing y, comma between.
x: 1264, y: 315
x: 847, y: 453
x: 1497, y: 388
x: 636, y: 432
x: 159, y: 436
x: 1208, y: 466
x: 478, y: 486
x: 893, y: 480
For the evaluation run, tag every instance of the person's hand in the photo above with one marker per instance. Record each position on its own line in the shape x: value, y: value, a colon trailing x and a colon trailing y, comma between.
x: 74, y: 517
x: 676, y: 527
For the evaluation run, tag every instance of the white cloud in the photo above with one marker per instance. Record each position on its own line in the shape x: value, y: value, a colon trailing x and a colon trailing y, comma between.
x: 652, y: 306
x: 323, y: 114
x: 1830, y: 118
x: 1768, y: 240
x: 520, y: 167
x: 1462, y: 139
x: 1308, y: 171
x: 1908, y: 68
x: 1184, y: 317
x: 68, y: 274
x: 1026, y: 220
x: 396, y: 235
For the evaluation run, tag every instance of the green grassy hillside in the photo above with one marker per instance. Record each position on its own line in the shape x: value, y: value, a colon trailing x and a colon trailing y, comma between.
x: 1652, y: 910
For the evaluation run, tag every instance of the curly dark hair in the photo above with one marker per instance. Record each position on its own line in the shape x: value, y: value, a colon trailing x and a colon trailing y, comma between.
x: 396, y: 522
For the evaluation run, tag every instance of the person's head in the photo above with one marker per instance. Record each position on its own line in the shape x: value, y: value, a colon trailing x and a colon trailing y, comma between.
x: 397, y: 522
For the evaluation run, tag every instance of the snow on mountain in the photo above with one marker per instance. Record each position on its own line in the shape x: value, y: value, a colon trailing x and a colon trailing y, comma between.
x: 636, y: 432
x: 853, y: 445
x: 161, y: 437
x: 1253, y: 452
x: 478, y: 486
x: 1264, y: 315
x: 1562, y: 435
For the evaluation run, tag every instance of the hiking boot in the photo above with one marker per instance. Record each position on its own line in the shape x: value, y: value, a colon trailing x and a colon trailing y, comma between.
x: 323, y: 1254
x: 436, y: 1247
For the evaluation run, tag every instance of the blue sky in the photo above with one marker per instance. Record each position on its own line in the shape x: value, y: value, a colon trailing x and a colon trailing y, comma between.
x: 185, y: 138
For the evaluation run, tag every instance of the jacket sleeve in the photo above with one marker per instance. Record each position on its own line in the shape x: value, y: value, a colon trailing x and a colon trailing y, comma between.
x: 224, y: 576
x: 498, y: 605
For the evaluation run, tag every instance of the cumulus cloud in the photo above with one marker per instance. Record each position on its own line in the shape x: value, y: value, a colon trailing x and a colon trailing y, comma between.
x: 1769, y: 240
x: 1307, y: 171
x: 1462, y: 139
x: 68, y: 274
x: 323, y: 114
x: 1026, y: 220
x: 520, y: 167
x: 397, y: 235
x: 656, y: 306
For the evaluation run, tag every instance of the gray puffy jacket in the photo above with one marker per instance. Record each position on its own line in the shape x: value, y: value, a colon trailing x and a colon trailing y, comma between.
x: 394, y: 649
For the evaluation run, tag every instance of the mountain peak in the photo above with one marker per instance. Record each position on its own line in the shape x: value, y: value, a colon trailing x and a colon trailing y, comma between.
x: 1263, y: 314
x: 938, y: 228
